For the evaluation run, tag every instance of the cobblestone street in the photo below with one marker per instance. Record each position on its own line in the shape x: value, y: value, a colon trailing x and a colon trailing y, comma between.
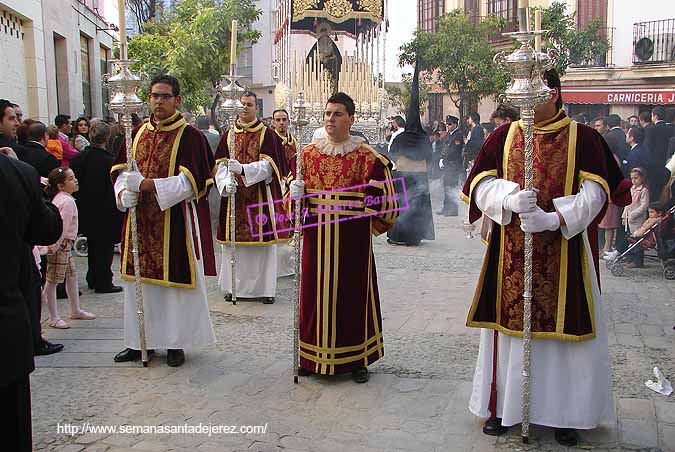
x: 417, y: 396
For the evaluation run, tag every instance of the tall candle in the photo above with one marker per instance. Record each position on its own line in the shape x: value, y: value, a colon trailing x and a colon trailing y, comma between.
x: 523, y: 3
x: 123, y: 30
x: 233, y: 47
x: 301, y: 82
x: 293, y: 87
x: 537, y: 26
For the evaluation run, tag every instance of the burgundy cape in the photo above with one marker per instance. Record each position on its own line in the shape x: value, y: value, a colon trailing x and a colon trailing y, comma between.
x: 255, y: 220
x: 340, y: 320
x: 566, y: 154
x: 163, y: 149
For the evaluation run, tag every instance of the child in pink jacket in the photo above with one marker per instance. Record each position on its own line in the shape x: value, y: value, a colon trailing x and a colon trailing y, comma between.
x: 60, y: 265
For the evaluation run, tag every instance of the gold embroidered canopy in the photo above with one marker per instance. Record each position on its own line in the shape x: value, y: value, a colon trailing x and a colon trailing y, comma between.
x: 352, y: 16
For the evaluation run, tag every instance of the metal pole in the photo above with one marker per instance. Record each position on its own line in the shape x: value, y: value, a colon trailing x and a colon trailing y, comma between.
x: 233, y: 207
x: 124, y: 100
x: 527, y: 90
x: 300, y: 122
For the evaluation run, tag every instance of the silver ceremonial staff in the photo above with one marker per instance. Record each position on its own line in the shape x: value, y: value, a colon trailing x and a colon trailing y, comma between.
x: 230, y: 108
x: 124, y: 100
x: 526, y: 90
x: 300, y: 121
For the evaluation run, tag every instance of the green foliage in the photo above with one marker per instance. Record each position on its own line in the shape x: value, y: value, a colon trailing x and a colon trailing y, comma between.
x: 400, y: 97
x: 576, y: 47
x: 192, y: 42
x: 459, y: 56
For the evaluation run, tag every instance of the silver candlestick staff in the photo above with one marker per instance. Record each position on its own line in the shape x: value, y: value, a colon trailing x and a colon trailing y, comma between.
x: 300, y: 110
x: 229, y: 109
x: 123, y: 100
x: 527, y: 90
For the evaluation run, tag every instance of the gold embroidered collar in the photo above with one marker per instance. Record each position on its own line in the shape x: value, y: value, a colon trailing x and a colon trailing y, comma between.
x: 165, y: 125
x: 253, y: 126
x: 550, y: 125
x: 290, y: 139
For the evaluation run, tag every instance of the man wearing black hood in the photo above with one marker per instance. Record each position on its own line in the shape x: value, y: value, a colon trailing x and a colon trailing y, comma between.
x: 412, y: 152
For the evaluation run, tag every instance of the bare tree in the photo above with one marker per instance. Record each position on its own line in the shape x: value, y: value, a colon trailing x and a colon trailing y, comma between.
x: 144, y: 10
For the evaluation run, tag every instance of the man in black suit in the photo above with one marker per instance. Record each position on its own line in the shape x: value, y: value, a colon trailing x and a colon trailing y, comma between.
x: 25, y: 220
x: 670, y: 118
x: 451, y: 165
x: 657, y: 140
x: 615, y: 137
x: 638, y: 157
x: 476, y: 136
x: 34, y: 152
x: 100, y: 220
x: 8, y: 124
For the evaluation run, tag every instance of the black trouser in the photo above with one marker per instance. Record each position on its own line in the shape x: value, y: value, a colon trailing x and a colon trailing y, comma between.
x: 637, y: 254
x: 450, y: 179
x: 34, y: 295
x: 100, y: 256
x: 15, y: 427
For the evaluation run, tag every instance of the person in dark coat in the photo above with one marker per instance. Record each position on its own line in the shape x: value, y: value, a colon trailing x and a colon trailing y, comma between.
x: 8, y: 124
x: 638, y: 155
x: 657, y: 140
x: 99, y: 218
x: 26, y: 220
x: 451, y: 165
x: 615, y: 137
x: 34, y: 151
x: 412, y: 152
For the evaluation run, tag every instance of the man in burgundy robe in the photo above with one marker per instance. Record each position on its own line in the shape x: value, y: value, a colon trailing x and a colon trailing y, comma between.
x: 169, y: 191
x: 350, y: 198
x: 258, y: 167
x: 575, y: 176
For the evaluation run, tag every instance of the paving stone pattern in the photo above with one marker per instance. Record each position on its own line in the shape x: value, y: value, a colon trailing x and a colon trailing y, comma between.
x: 416, y: 399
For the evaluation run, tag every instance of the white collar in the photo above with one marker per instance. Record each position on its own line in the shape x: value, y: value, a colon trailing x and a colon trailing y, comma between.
x: 633, y: 145
x: 328, y: 147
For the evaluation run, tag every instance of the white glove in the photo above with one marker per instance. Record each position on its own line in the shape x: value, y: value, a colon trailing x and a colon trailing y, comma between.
x: 521, y: 202
x: 539, y: 221
x: 132, y: 180
x: 297, y: 189
x: 234, y: 166
x: 231, y: 185
x: 129, y: 198
x: 441, y: 164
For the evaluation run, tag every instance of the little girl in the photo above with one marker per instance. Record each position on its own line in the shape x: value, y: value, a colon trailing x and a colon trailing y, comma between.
x: 60, y: 265
x: 636, y: 213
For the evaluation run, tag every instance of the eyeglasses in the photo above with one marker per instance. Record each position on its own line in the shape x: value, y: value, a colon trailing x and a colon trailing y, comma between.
x: 157, y: 96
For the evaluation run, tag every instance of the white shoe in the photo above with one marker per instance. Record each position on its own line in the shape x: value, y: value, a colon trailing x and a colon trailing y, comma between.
x: 611, y: 255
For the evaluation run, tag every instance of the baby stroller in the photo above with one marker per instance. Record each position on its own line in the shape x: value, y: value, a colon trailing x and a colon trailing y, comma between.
x: 661, y: 237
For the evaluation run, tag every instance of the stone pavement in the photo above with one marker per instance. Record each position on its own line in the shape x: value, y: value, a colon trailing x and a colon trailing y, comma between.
x: 416, y: 399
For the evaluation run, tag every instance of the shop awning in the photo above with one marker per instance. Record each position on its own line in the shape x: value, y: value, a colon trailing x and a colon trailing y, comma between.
x: 619, y: 96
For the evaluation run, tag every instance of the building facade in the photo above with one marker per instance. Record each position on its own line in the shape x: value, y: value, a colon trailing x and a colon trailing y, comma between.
x: 637, y: 73
x: 57, y: 52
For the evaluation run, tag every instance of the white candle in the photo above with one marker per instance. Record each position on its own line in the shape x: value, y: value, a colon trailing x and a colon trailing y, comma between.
x: 123, y: 30
x: 233, y: 47
x: 523, y: 3
x: 537, y: 26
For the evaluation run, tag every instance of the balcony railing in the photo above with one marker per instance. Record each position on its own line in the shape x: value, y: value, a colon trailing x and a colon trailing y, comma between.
x: 654, y: 42
x: 597, y: 59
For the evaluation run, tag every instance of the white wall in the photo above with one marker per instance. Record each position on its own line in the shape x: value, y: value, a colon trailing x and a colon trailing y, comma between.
x: 625, y: 14
x: 23, y: 79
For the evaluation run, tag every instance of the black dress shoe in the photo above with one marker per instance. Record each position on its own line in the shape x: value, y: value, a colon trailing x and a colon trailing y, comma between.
x: 175, y: 357
x: 494, y: 427
x: 129, y: 354
x: 360, y: 375
x: 112, y: 289
x: 268, y: 300
x: 47, y: 348
x: 567, y: 437
x: 228, y: 297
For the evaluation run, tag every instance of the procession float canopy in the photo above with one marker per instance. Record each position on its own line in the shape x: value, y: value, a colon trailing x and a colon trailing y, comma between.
x: 325, y: 46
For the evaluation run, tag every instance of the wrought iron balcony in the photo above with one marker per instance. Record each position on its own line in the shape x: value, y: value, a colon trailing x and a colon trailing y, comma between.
x: 596, y: 58
x: 654, y: 42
